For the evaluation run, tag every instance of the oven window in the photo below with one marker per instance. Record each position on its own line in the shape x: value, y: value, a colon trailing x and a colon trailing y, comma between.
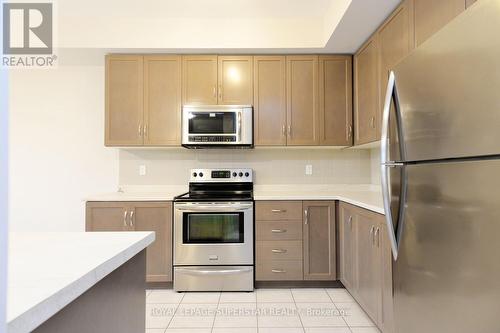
x: 213, y: 228
x: 212, y: 123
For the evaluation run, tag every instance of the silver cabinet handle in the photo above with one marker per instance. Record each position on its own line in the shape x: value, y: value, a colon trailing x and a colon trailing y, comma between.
x: 146, y: 130
x: 306, y: 216
x: 349, y: 221
x: 278, y: 210
x: 278, y: 271
x: 132, y: 218
x: 278, y: 231
x: 140, y: 130
x: 125, y: 218
x: 372, y: 121
x: 377, y: 236
x: 283, y: 130
x: 214, y: 92
x: 289, y: 131
x: 372, y: 230
x: 350, y: 132
x: 278, y: 251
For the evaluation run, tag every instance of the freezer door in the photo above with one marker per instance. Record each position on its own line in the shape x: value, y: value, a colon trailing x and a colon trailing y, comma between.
x: 447, y: 275
x: 449, y: 89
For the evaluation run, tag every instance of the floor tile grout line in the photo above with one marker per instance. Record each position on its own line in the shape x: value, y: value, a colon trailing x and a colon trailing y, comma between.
x: 176, y: 308
x: 297, y: 309
x: 216, y: 309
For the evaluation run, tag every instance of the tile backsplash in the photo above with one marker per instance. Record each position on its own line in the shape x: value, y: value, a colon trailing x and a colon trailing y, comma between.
x: 271, y: 165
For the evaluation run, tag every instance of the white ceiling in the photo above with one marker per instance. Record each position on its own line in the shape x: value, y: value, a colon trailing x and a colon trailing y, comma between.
x: 237, y: 26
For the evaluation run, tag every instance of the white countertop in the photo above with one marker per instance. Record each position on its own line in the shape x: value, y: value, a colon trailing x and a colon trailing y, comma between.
x: 47, y: 271
x: 365, y: 196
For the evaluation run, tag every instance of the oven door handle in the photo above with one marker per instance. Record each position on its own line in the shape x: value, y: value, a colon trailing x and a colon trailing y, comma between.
x: 213, y: 209
x: 213, y: 272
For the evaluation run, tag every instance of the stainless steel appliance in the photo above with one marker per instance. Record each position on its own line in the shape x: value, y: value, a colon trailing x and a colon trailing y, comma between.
x: 214, y: 232
x: 216, y: 126
x: 440, y: 178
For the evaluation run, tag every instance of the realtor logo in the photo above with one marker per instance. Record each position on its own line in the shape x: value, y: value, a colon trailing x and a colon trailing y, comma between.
x: 27, y: 28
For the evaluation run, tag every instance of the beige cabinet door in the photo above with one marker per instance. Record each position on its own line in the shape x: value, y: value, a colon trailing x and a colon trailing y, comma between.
x: 107, y: 216
x: 157, y: 217
x: 235, y: 80
x: 199, y: 79
x: 347, y: 241
x: 162, y: 100
x: 386, y: 316
x: 302, y: 100
x: 469, y: 3
x: 366, y: 93
x: 124, y: 100
x: 335, y: 100
x: 368, y: 265
x: 269, y: 101
x: 319, y: 240
x: 432, y: 15
x: 396, y: 40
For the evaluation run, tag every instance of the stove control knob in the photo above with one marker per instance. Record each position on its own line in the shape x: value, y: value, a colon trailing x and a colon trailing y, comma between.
x: 240, y: 174
x: 235, y: 174
x: 201, y: 174
x: 247, y: 174
x: 195, y: 174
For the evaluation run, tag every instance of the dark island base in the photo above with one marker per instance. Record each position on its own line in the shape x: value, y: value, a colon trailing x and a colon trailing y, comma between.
x: 117, y: 303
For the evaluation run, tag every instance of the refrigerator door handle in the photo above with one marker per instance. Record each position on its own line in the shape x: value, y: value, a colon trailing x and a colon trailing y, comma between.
x: 386, y: 164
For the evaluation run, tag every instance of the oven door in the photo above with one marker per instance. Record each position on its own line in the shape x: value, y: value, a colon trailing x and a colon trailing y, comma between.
x: 213, y: 233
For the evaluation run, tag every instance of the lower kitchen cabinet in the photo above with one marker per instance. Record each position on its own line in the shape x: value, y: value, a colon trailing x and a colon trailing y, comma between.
x: 295, y: 240
x: 139, y: 216
x: 365, y: 262
x: 319, y: 240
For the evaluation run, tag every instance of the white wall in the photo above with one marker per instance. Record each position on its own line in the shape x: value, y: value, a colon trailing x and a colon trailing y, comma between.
x: 57, y: 153
x: 271, y: 165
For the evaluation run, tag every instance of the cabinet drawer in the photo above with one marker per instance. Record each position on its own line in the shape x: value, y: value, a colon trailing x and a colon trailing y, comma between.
x: 278, y: 210
x: 278, y: 250
x: 279, y: 270
x: 281, y: 230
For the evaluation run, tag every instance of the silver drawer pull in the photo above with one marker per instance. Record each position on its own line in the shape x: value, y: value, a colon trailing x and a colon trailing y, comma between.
x: 278, y: 251
x: 278, y: 210
x: 278, y: 271
x: 278, y: 231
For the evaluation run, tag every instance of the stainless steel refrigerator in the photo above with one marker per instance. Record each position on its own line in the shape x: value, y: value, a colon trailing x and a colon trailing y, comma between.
x: 441, y: 178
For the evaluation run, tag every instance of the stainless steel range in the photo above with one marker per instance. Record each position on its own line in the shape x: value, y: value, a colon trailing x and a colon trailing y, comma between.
x: 214, y: 232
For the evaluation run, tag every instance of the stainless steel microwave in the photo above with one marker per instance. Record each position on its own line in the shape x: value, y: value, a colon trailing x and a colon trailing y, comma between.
x: 217, y: 126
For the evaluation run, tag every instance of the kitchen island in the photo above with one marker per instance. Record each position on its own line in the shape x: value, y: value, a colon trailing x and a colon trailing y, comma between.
x: 77, y: 282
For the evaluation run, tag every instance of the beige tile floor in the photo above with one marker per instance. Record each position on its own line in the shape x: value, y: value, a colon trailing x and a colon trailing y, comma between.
x: 263, y: 311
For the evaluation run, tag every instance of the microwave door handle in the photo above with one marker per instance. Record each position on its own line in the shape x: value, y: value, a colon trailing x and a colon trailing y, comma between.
x: 239, y: 126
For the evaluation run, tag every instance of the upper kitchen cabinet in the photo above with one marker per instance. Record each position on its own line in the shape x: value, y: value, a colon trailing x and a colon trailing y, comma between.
x: 269, y: 101
x: 432, y: 15
x: 199, y: 79
x: 211, y: 80
x: 396, y: 40
x: 335, y: 100
x: 162, y: 100
x: 235, y: 80
x: 366, y: 93
x: 302, y: 100
x: 124, y: 100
